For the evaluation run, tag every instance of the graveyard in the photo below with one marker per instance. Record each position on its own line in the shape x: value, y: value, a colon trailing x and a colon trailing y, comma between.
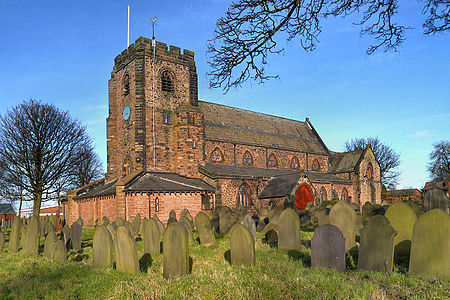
x: 224, y: 256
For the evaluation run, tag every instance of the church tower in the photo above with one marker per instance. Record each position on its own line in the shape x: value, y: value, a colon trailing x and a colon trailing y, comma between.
x: 154, y: 121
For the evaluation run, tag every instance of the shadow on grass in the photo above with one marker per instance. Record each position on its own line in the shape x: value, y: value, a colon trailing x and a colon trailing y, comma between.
x: 227, y: 256
x: 296, y: 255
x: 271, y: 242
x: 351, y: 258
x: 191, y: 263
x: 145, y: 262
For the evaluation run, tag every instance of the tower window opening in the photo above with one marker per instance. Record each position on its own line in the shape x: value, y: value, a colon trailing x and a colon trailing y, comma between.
x: 167, y: 117
x: 167, y: 82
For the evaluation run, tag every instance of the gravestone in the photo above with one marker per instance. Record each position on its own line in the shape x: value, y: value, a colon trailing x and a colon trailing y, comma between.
x: 2, y: 240
x: 305, y: 218
x: 367, y: 209
x: 225, y: 220
x: 31, y: 243
x: 264, y: 213
x: 14, y: 235
x: 152, y: 238
x: 173, y: 214
x: 249, y: 223
x: 376, y: 250
x: 175, y: 251
x: 205, y: 230
x: 112, y: 230
x: 359, y: 222
x: 323, y: 216
x: 344, y: 217
x: 44, y: 223
x: 271, y: 232
x: 402, y: 218
x: 136, y: 223
x: 23, y: 235
x: 161, y: 227
x: 328, y: 248
x: 75, y: 235
x: 119, y: 221
x: 130, y: 228
x: 436, y: 198
x: 53, y: 220
x: 102, y: 249
x: 185, y: 213
x: 49, y: 245
x: 261, y: 225
x: 289, y: 231
x: 105, y: 221
x: 80, y: 221
x: 274, y: 215
x: 48, y: 227
x: 242, y: 246
x: 126, y: 255
x: 430, y: 246
x: 171, y: 220
x: 66, y: 234
x: 241, y: 212
x: 60, y: 254
x: 142, y: 226
x: 188, y: 226
x: 214, y: 217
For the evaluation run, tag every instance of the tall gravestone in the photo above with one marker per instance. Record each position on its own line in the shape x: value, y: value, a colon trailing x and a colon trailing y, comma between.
x: 271, y: 233
x: 188, y: 226
x: 367, y: 209
x: 49, y: 245
x: 105, y: 221
x: 160, y: 226
x: 436, y: 198
x: 274, y: 214
x: 136, y: 223
x: 60, y: 254
x: 126, y: 256
x: 66, y: 234
x: 242, y: 246
x: 130, y: 228
x: 430, y: 246
x: 48, y: 227
x: 142, y: 226
x: 75, y: 235
x: 225, y: 220
x: 80, y: 221
x: 31, y: 243
x: 173, y: 214
x: 241, y: 212
x: 14, y: 236
x: 289, y: 231
x: 102, y: 250
x: 119, y: 221
x: 376, y: 251
x: 185, y: 213
x: 323, y: 215
x: 22, y: 235
x: 402, y: 218
x: 152, y: 238
x: 205, y: 229
x: 214, y: 217
x: 328, y: 248
x: 175, y: 251
x: 344, y: 217
x: 171, y: 220
x: 2, y: 240
x: 249, y: 223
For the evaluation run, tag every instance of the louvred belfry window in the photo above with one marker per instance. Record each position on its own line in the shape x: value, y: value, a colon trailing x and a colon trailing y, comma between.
x: 167, y: 82
x: 294, y: 163
x: 272, y: 162
x: 216, y: 155
x: 247, y: 159
x: 126, y: 84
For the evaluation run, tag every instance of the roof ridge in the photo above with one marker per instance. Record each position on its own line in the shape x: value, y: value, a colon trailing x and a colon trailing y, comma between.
x: 177, y: 182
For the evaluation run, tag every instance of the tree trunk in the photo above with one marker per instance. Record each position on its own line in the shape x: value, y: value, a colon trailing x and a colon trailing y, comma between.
x: 37, y: 202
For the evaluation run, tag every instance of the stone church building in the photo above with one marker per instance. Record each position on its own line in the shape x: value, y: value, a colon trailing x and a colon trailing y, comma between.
x: 167, y: 150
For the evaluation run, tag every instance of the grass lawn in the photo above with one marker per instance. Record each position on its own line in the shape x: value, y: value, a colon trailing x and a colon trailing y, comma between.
x: 276, y: 275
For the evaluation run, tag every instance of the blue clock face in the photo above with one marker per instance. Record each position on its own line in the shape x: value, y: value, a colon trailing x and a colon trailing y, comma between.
x: 126, y: 113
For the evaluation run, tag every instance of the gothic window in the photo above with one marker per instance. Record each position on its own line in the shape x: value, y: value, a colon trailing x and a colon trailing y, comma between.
x: 127, y: 166
x: 126, y: 84
x: 207, y: 202
x: 315, y: 165
x: 247, y: 159
x: 294, y: 163
x: 243, y: 195
x: 167, y: 117
x: 323, y: 194
x: 272, y: 162
x: 167, y: 82
x: 156, y: 204
x: 369, y: 172
x: 216, y: 155
x: 190, y: 119
x: 344, y: 195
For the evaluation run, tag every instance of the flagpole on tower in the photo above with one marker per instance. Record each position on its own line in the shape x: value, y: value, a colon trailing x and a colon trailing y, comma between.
x: 128, y: 29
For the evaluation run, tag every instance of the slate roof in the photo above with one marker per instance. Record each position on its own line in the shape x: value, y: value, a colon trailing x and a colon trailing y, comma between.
x: 104, y: 189
x: 155, y: 181
x: 396, y: 193
x: 282, y: 186
x: 224, y: 171
x: 344, y: 162
x: 235, y: 125
x: 6, y: 209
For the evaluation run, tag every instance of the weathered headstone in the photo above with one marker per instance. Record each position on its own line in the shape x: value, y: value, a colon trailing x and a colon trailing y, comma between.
x: 241, y: 212
x: 75, y: 235
x: 289, y: 231
x: 430, y: 246
x: 80, y: 221
x: 214, y: 217
x: 225, y: 220
x: 271, y: 232
x: 305, y: 218
x: 274, y: 215
x: 359, y: 222
x: 23, y: 235
x: 189, y: 228
x: 249, y: 223
x: 53, y: 220
x: 242, y: 246
x: 160, y: 226
x: 436, y: 198
x: 152, y: 238
x: 14, y: 236
x: 205, y: 230
x: 102, y: 251
x: 323, y: 216
x: 112, y: 230
x: 344, y: 217
x: 328, y: 248
x: 261, y: 225
x: 66, y: 234
x: 185, y: 213
x: 60, y: 251
x: 130, y: 228
x: 48, y: 227
x: 136, y: 223
x: 31, y: 243
x: 376, y: 250
x: 2, y: 240
x: 142, y: 226
x: 49, y: 245
x: 367, y: 209
x: 173, y: 214
x: 175, y: 251
x: 105, y: 221
x: 126, y: 256
x: 402, y: 218
x: 264, y: 213
x: 171, y: 220
x: 119, y: 221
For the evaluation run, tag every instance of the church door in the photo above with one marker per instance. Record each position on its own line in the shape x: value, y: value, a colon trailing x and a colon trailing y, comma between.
x: 303, y: 196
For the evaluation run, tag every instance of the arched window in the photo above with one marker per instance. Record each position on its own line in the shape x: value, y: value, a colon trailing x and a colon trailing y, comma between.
x: 315, y: 165
x: 216, y: 155
x: 344, y: 195
x: 247, y: 159
x: 244, y: 195
x: 272, y: 162
x: 167, y: 82
x: 369, y: 172
x: 127, y: 166
x: 323, y: 194
x: 126, y: 84
x: 294, y: 163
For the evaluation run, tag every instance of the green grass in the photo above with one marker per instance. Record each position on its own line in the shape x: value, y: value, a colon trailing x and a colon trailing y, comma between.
x: 276, y: 275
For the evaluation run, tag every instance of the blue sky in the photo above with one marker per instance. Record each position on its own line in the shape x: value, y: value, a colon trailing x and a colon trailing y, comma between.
x: 63, y: 52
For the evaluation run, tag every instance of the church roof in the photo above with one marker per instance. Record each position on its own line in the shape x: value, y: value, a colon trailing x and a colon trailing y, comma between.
x: 344, y: 162
x: 101, y: 188
x: 6, y: 209
x: 153, y: 181
x: 224, y: 171
x: 235, y: 125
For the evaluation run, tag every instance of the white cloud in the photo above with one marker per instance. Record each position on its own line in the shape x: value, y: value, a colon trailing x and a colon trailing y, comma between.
x: 418, y: 134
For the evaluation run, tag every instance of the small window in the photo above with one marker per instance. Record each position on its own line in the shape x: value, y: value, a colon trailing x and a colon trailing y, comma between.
x: 126, y: 84
x: 127, y: 166
x: 190, y: 119
x: 369, y: 172
x: 167, y: 82
x: 323, y: 194
x: 216, y: 155
x: 315, y: 165
x: 344, y: 196
x: 272, y: 162
x: 167, y: 117
x: 156, y: 204
x: 243, y: 195
x: 207, y: 202
x: 294, y: 163
x: 247, y: 159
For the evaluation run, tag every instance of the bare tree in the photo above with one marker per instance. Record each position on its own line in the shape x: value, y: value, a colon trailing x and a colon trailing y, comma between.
x: 386, y: 157
x: 246, y: 35
x: 39, y: 147
x: 439, y: 165
x: 88, y: 167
